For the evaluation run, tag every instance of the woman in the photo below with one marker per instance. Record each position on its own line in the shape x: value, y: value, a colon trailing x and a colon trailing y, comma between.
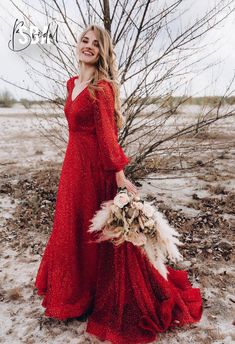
x: 124, y: 297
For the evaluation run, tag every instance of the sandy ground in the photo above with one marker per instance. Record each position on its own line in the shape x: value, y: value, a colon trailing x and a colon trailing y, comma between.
x: 200, y: 205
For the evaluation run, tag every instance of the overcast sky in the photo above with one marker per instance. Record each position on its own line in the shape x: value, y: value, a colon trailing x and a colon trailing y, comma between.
x: 211, y: 82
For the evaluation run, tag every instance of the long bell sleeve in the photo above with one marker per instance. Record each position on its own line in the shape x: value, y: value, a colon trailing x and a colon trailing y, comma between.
x: 113, y: 157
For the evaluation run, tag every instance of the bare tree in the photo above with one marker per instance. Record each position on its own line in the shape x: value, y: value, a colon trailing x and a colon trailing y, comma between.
x: 157, y: 52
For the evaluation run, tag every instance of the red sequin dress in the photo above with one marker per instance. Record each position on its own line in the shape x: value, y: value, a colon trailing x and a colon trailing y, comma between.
x: 128, y: 301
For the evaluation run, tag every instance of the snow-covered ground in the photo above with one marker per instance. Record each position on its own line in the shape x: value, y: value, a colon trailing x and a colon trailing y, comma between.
x: 190, y: 197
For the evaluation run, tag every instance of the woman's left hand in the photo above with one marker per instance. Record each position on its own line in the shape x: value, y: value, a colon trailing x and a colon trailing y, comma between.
x: 122, y: 181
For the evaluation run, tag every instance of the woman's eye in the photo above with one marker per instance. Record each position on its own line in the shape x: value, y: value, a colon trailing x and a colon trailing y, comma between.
x: 95, y: 44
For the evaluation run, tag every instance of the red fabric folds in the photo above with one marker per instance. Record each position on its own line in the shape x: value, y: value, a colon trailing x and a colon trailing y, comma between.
x: 113, y: 157
x: 128, y: 301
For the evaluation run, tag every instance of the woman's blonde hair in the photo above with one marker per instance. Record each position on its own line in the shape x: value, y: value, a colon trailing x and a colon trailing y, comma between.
x: 106, y: 68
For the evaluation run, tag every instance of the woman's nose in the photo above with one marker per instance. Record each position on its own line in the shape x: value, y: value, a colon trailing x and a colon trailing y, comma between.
x: 89, y: 45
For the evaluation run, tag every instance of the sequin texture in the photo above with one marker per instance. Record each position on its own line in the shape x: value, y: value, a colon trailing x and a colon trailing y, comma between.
x: 128, y: 301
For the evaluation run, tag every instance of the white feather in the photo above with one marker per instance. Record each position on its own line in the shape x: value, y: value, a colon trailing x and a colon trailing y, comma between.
x: 100, y: 217
x: 167, y: 238
x: 164, y: 246
x: 156, y: 257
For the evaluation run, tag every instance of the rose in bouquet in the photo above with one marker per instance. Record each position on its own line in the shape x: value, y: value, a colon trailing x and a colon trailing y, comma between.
x: 130, y: 218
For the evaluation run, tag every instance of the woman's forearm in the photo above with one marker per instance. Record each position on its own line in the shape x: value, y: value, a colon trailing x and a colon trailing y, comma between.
x: 120, y: 178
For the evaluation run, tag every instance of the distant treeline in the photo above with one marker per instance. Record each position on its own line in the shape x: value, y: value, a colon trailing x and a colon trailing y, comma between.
x: 7, y: 100
x: 211, y: 100
x: 206, y: 100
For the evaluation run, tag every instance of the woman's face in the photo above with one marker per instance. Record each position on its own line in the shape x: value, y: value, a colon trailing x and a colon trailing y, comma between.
x: 88, y: 49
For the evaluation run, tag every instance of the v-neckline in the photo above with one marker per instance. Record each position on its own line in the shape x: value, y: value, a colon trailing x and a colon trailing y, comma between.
x: 73, y: 100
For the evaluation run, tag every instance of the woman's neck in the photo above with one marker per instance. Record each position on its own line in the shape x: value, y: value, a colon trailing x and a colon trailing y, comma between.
x: 86, y: 73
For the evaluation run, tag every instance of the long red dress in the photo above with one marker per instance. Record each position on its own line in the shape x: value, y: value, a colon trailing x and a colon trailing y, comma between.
x: 127, y: 299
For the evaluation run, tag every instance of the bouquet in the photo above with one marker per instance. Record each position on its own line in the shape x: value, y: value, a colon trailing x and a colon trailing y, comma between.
x: 130, y: 218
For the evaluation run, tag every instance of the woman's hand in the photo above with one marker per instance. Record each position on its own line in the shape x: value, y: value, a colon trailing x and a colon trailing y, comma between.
x: 122, y: 181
